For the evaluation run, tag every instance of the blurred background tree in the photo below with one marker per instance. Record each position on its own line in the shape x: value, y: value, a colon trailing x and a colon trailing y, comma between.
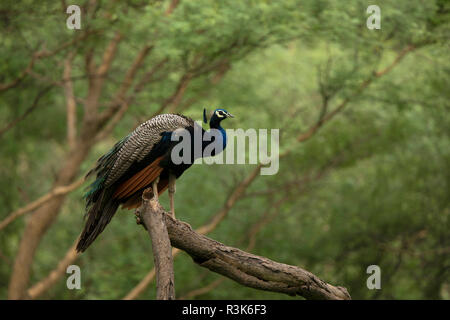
x: 363, y: 118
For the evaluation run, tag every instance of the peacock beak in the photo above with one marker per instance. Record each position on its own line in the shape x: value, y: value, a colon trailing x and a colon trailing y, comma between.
x: 229, y: 115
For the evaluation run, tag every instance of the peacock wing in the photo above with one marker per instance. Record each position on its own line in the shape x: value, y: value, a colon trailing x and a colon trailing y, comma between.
x: 141, y: 142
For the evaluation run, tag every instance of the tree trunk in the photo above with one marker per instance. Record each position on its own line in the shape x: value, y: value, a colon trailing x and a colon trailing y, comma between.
x: 39, y: 222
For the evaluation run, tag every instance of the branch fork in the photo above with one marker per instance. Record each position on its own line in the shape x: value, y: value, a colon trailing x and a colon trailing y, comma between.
x: 245, y: 268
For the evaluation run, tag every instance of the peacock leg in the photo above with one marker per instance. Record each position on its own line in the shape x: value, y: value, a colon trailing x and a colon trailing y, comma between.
x: 155, y: 188
x: 172, y: 189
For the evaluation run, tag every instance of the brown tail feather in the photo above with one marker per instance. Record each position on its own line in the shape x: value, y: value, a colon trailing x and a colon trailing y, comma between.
x: 139, y: 180
x: 136, y: 200
x: 106, y: 205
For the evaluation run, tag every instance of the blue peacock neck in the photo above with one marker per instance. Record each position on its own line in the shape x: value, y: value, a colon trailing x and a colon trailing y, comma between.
x: 215, y: 124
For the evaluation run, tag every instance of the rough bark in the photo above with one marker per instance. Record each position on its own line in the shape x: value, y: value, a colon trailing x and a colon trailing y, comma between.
x: 249, y: 269
x: 152, y: 215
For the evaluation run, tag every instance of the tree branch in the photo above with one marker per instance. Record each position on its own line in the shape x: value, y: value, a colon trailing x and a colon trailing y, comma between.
x: 240, y: 190
x: 203, y: 290
x: 57, y: 191
x: 39, y: 55
x: 33, y: 106
x: 23, y: 74
x: 96, y: 80
x: 71, y: 104
x: 249, y: 269
x: 251, y: 235
x: 120, y: 97
x: 118, y: 111
x: 172, y: 6
x: 39, y: 288
x: 152, y: 216
x: 237, y: 193
x: 174, y: 100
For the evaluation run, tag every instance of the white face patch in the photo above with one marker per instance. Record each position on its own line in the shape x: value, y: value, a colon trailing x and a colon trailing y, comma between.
x: 218, y: 113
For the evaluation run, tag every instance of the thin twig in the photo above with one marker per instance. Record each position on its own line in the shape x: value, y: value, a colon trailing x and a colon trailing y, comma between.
x: 33, y: 106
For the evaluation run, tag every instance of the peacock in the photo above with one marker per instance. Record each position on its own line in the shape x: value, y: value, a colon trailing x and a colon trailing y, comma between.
x: 139, y: 159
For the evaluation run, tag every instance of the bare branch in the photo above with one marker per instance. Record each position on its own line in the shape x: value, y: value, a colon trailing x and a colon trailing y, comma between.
x: 397, y: 60
x: 71, y: 104
x: 39, y: 288
x: 108, y: 55
x: 122, y: 106
x: 172, y: 6
x: 96, y: 80
x: 248, y: 269
x: 120, y: 98
x: 174, y: 100
x: 58, y: 191
x: 33, y: 106
x: 23, y: 74
x: 324, y: 118
x: 152, y: 215
x: 200, y: 291
x: 252, y: 233
x: 39, y: 55
x: 215, y: 221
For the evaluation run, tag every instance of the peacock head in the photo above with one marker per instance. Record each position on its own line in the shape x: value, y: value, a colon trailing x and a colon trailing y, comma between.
x: 217, y: 116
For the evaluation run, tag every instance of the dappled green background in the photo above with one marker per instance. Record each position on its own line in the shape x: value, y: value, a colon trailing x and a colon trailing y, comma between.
x: 371, y: 186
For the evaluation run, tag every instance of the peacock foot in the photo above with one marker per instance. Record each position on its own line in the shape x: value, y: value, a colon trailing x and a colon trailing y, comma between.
x: 138, y: 218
